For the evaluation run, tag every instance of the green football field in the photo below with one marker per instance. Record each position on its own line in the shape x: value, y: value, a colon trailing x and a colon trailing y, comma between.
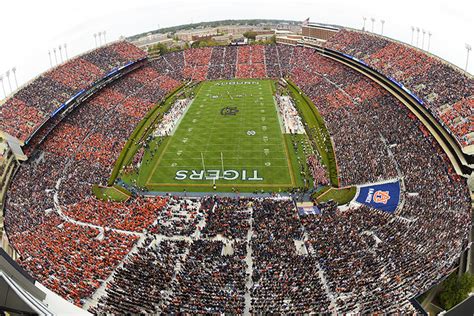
x: 231, y: 136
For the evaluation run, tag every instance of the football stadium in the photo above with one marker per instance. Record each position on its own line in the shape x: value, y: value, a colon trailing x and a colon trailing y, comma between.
x: 326, y: 172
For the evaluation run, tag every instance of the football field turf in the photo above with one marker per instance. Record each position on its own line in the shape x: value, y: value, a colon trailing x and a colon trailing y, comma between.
x: 230, y: 135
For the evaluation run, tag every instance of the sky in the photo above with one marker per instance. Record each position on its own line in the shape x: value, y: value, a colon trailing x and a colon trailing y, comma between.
x: 29, y: 29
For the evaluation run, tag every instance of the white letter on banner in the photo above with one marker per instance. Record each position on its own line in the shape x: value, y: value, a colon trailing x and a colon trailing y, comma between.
x: 368, y: 199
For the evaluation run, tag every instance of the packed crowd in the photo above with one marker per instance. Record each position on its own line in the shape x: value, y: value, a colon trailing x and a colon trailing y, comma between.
x: 272, y: 62
x: 209, y: 282
x: 318, y: 172
x: 69, y: 259
x: 445, y: 90
x: 133, y: 215
x: 223, y: 63
x: 285, y: 280
x: 365, y: 133
x: 196, y: 63
x: 198, y: 254
x: 32, y: 105
x: 251, y: 62
x: 228, y: 219
x: 139, y: 285
x: 216, y: 63
x: 79, y: 153
x: 180, y: 217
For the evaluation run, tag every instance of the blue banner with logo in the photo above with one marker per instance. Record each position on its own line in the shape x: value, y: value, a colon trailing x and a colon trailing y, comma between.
x: 308, y: 210
x: 384, y: 196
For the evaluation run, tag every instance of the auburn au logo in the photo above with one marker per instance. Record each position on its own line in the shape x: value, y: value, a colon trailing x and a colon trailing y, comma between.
x: 229, y: 110
x: 381, y: 197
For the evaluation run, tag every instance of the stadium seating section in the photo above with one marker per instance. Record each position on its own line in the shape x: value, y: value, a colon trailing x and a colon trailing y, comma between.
x: 447, y: 92
x: 357, y: 260
x: 34, y: 103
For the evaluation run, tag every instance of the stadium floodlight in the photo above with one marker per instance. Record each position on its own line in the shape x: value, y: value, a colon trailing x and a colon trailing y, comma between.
x: 429, y: 40
x: 3, y: 87
x: 468, y: 49
x: 417, y: 35
x: 423, y: 40
x: 382, y: 21
x: 373, y: 21
x: 65, y: 50
x: 8, y: 78
x: 14, y: 76
x: 99, y: 35
x: 50, y: 61
x: 105, y: 40
x: 55, y: 56
x: 412, y: 31
x: 61, y: 53
x: 363, y: 27
x: 95, y: 39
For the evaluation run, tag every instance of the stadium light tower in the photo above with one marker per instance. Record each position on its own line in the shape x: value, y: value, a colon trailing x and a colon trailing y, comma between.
x: 10, y: 84
x: 61, y: 53
x: 423, y: 40
x: 50, y: 61
x: 3, y: 87
x: 429, y: 40
x: 417, y: 35
x: 468, y: 49
x: 55, y: 56
x: 99, y: 35
x: 383, y: 22
x: 363, y: 27
x: 412, y: 31
x: 65, y: 50
x: 105, y: 40
x: 373, y: 21
x: 14, y: 76
x: 95, y: 39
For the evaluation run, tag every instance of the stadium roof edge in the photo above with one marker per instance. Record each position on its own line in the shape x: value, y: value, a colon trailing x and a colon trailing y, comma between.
x: 325, y: 26
x: 457, y: 68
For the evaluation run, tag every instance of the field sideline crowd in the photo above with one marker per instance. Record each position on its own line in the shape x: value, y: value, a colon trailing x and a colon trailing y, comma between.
x: 371, y: 261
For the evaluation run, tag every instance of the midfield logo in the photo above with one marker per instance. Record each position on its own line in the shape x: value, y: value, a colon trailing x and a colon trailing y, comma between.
x: 229, y: 110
